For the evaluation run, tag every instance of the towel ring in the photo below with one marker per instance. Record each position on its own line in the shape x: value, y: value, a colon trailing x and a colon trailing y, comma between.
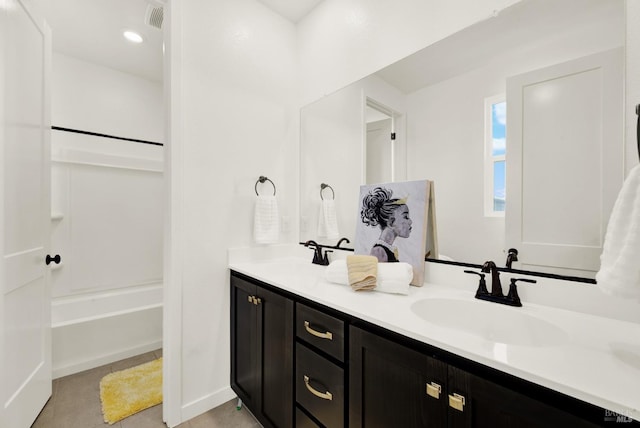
x: 638, y: 129
x: 324, y: 186
x: 262, y: 179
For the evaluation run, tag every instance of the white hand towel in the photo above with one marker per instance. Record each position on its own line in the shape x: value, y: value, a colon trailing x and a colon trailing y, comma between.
x: 619, y: 273
x: 266, y: 221
x: 394, y: 278
x: 328, y: 220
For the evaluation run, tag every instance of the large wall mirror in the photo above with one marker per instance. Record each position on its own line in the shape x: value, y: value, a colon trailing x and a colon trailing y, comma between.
x: 547, y: 191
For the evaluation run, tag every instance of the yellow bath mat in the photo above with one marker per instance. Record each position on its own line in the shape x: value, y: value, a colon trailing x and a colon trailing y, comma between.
x: 130, y: 391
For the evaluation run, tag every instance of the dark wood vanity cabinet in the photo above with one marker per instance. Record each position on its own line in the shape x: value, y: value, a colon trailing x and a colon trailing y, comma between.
x: 262, y: 352
x: 394, y: 385
x: 297, y: 363
x: 387, y: 384
x: 488, y: 404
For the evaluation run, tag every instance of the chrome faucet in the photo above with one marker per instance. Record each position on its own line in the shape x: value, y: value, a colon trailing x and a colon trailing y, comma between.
x: 495, y: 295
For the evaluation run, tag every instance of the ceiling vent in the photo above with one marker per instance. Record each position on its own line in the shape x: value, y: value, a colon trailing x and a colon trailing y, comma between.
x: 154, y: 15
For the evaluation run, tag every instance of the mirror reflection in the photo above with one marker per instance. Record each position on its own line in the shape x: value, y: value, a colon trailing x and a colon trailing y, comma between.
x: 545, y: 187
x: 379, y: 147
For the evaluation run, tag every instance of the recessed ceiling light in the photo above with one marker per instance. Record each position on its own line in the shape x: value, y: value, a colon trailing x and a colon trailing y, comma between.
x: 132, y: 36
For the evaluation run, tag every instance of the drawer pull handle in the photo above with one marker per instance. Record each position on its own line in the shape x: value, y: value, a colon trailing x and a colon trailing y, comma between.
x: 434, y: 390
x: 456, y: 401
x: 324, y: 395
x: 326, y: 335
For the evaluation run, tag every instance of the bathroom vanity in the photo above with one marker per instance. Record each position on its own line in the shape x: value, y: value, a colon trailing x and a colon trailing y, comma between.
x: 308, y: 353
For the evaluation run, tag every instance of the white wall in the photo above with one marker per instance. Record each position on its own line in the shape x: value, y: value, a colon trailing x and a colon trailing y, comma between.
x: 342, y: 41
x: 333, y: 149
x: 237, y: 87
x: 94, y: 98
x: 107, y: 200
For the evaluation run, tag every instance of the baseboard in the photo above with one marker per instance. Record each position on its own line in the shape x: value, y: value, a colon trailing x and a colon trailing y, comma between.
x: 206, y: 403
x: 106, y: 359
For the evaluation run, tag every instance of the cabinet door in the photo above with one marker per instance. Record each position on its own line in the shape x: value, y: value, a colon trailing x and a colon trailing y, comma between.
x: 244, y: 342
x: 487, y: 404
x: 388, y: 385
x: 275, y: 324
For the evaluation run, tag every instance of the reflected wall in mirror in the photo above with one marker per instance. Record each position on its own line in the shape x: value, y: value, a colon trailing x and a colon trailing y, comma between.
x: 333, y: 135
x: 440, y: 95
x: 379, y: 143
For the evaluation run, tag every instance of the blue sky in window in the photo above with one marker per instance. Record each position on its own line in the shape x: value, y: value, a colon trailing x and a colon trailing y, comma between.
x: 498, y: 128
x: 499, y: 186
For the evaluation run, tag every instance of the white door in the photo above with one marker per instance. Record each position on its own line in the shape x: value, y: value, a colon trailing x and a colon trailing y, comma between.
x: 564, y: 162
x: 25, y: 303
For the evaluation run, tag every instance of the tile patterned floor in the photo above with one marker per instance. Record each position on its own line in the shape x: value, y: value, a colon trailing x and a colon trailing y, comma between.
x: 75, y: 403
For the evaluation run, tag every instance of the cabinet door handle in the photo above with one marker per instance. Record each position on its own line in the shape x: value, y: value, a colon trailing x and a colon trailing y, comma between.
x: 324, y: 395
x: 257, y: 300
x: 456, y: 401
x: 326, y: 335
x: 250, y: 299
x: 434, y: 390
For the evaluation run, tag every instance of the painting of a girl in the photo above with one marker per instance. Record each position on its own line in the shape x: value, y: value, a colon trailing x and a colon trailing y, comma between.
x: 379, y: 208
x: 393, y: 223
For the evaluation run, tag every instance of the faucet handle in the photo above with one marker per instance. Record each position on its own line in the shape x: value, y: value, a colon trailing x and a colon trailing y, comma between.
x: 482, y: 286
x: 513, y: 290
x: 514, y: 280
x: 325, y: 259
x: 481, y: 275
x: 317, y: 251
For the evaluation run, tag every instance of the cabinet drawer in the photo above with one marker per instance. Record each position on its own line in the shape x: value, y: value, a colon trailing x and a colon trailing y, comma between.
x: 320, y: 330
x: 304, y: 421
x: 320, y: 387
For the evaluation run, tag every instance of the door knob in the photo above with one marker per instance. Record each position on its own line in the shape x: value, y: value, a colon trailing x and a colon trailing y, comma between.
x: 56, y: 259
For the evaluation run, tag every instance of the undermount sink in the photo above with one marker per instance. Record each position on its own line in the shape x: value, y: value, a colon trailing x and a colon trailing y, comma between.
x: 490, y: 321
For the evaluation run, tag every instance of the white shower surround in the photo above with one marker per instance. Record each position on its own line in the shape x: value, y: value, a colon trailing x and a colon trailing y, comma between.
x: 107, y: 216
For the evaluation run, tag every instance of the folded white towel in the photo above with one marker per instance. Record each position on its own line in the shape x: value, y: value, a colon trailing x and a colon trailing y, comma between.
x: 394, y: 278
x: 266, y: 221
x: 328, y: 220
x: 619, y: 272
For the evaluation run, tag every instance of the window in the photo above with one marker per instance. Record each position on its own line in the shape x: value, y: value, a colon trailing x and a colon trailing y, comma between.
x: 494, y: 155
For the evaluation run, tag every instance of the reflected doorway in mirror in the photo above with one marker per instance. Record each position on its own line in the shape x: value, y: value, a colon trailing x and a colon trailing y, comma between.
x: 396, y: 223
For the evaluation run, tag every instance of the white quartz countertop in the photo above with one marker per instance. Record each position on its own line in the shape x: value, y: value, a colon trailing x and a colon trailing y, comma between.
x: 595, y: 359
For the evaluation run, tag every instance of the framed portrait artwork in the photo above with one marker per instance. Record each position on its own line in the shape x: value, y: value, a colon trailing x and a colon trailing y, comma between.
x: 396, y: 223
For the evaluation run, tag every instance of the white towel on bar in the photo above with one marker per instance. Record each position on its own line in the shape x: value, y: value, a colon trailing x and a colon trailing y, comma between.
x: 619, y: 273
x: 328, y: 220
x: 394, y: 278
x: 266, y: 221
